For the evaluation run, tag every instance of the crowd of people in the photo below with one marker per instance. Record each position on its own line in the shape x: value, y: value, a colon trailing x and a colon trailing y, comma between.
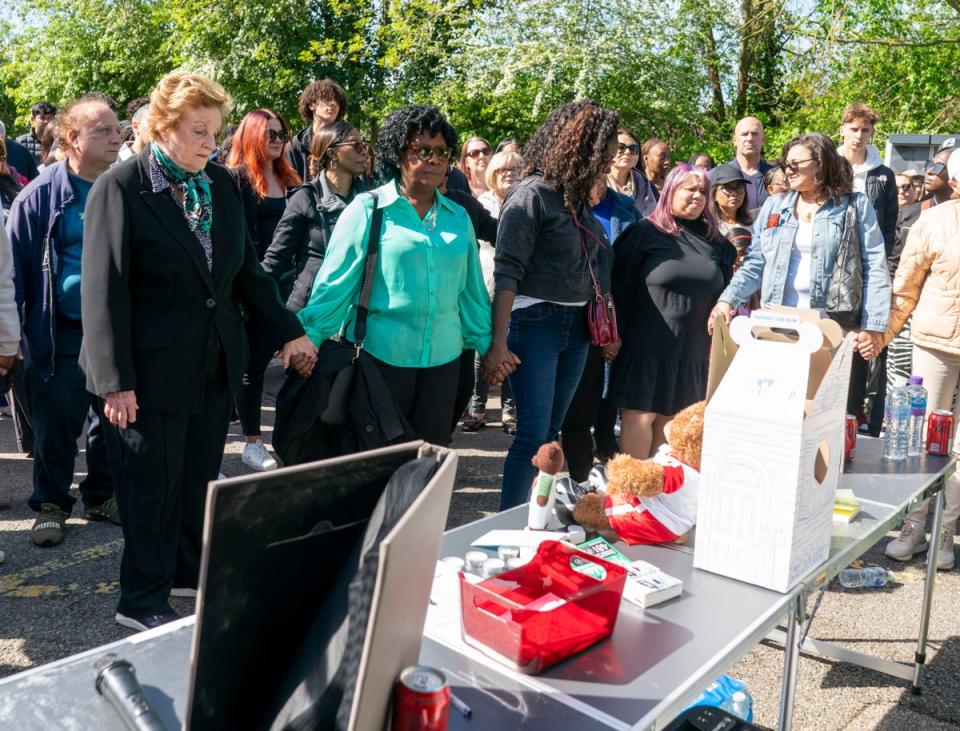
x: 156, y: 266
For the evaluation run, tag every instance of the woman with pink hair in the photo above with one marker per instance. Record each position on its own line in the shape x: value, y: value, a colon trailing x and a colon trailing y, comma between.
x: 670, y: 268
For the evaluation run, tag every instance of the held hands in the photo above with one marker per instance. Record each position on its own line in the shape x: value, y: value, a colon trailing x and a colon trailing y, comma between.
x: 721, y: 309
x: 301, y: 354
x: 869, y: 343
x: 120, y: 408
x: 498, y: 363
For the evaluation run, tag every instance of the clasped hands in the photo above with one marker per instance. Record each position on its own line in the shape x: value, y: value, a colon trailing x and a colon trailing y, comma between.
x: 869, y: 343
x: 498, y: 363
x: 301, y: 354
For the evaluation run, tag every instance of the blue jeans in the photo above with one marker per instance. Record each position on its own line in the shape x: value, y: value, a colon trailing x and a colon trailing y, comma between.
x: 551, y: 341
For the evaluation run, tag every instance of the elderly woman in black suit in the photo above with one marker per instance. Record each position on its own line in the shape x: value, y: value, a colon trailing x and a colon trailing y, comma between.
x: 168, y: 260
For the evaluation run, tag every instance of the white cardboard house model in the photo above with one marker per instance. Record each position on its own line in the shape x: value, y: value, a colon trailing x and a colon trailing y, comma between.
x: 772, y: 446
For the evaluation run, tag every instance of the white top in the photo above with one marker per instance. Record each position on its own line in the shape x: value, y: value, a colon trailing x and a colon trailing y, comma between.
x: 796, y: 293
x: 488, y: 248
x: 521, y: 301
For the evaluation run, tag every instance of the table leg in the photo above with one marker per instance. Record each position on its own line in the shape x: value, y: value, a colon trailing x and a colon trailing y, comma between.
x: 921, y: 656
x: 791, y: 660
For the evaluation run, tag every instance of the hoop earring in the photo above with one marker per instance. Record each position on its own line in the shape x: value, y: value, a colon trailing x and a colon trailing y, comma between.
x: 333, y: 164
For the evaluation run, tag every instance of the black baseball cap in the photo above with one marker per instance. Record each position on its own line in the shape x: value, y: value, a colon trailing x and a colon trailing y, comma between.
x: 726, y: 173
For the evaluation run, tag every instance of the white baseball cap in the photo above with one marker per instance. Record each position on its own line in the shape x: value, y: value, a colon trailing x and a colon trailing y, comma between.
x: 953, y: 165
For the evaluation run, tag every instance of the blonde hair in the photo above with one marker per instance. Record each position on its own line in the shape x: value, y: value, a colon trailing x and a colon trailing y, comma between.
x: 179, y: 92
x: 500, y: 161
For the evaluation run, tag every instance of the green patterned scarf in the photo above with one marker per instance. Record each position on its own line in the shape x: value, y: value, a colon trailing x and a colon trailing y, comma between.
x: 197, y: 200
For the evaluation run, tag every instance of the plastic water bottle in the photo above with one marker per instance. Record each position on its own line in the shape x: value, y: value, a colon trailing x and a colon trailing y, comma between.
x: 896, y: 424
x: 918, y: 414
x: 869, y: 577
x: 740, y: 704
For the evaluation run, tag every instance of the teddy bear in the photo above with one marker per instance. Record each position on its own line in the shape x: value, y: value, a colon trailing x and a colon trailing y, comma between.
x: 650, y: 500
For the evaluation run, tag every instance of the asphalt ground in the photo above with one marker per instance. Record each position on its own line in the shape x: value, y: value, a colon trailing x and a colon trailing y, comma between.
x: 58, y: 601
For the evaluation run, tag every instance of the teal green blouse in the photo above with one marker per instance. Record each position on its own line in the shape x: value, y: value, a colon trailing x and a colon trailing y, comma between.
x: 428, y: 301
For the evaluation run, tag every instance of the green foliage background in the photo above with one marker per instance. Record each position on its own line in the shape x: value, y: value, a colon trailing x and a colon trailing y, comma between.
x: 683, y: 70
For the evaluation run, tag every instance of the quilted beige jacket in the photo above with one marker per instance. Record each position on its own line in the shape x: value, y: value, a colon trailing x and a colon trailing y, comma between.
x: 928, y: 281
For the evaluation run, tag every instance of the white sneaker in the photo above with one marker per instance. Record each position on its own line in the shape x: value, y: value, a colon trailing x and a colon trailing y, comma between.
x: 945, y: 557
x: 912, y: 540
x: 256, y: 457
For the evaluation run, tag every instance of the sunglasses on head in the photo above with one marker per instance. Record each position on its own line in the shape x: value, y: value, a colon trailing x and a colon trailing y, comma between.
x: 633, y: 149
x: 276, y: 135
x: 425, y: 152
x: 478, y: 151
x: 359, y: 146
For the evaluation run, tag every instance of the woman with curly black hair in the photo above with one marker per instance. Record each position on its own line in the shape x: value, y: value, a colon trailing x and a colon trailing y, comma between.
x: 547, y: 243
x: 428, y: 302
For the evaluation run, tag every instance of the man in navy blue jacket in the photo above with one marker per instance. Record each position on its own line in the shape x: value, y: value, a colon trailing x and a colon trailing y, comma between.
x: 45, y: 228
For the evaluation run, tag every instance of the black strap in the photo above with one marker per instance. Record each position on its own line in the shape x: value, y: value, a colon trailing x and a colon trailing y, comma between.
x: 366, y: 286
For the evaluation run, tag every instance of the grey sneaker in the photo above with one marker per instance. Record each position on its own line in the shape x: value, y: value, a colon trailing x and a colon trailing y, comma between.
x: 911, y: 540
x: 256, y: 457
x: 107, y: 510
x: 49, y: 526
x: 945, y: 557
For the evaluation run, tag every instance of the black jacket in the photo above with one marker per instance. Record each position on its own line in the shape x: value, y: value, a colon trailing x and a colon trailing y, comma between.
x: 19, y: 157
x: 373, y: 419
x: 881, y: 190
x: 151, y: 306
x: 301, y: 237
x: 299, y: 152
x: 539, y: 248
x: 484, y: 225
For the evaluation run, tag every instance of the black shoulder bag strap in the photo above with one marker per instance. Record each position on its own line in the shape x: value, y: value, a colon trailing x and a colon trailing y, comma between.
x: 373, y: 254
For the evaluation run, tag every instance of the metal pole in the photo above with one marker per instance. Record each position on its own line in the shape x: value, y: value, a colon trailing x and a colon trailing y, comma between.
x: 932, y: 551
x: 791, y: 659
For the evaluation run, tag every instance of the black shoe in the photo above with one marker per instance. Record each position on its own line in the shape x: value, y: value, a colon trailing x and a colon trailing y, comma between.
x: 474, y: 422
x: 142, y: 624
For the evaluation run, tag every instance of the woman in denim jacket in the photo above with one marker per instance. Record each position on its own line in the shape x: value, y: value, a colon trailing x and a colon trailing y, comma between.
x: 796, y: 237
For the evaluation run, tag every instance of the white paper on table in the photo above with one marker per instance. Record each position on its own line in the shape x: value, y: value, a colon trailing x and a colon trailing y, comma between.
x: 443, y: 625
x: 521, y: 538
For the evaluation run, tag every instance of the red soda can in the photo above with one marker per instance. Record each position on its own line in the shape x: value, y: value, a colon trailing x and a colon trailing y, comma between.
x: 939, y: 430
x: 850, y: 437
x: 421, y: 700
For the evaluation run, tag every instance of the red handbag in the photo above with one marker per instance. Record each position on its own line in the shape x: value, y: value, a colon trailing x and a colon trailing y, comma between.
x: 601, y: 314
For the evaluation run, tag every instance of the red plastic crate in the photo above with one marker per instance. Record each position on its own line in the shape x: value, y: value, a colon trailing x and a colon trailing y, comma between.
x: 501, y: 615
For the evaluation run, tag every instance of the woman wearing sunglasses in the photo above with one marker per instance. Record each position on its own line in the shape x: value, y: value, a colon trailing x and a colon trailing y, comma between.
x: 669, y: 269
x: 547, y: 246
x: 797, y: 237
x: 258, y: 160
x: 428, y: 302
x: 338, y: 162
x: 474, y: 158
x: 624, y: 178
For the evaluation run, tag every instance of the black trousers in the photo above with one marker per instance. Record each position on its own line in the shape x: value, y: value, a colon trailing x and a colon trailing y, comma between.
x: 20, y: 408
x: 425, y: 396
x: 576, y: 439
x: 465, y: 384
x: 250, y: 395
x: 859, y: 370
x: 164, y: 465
